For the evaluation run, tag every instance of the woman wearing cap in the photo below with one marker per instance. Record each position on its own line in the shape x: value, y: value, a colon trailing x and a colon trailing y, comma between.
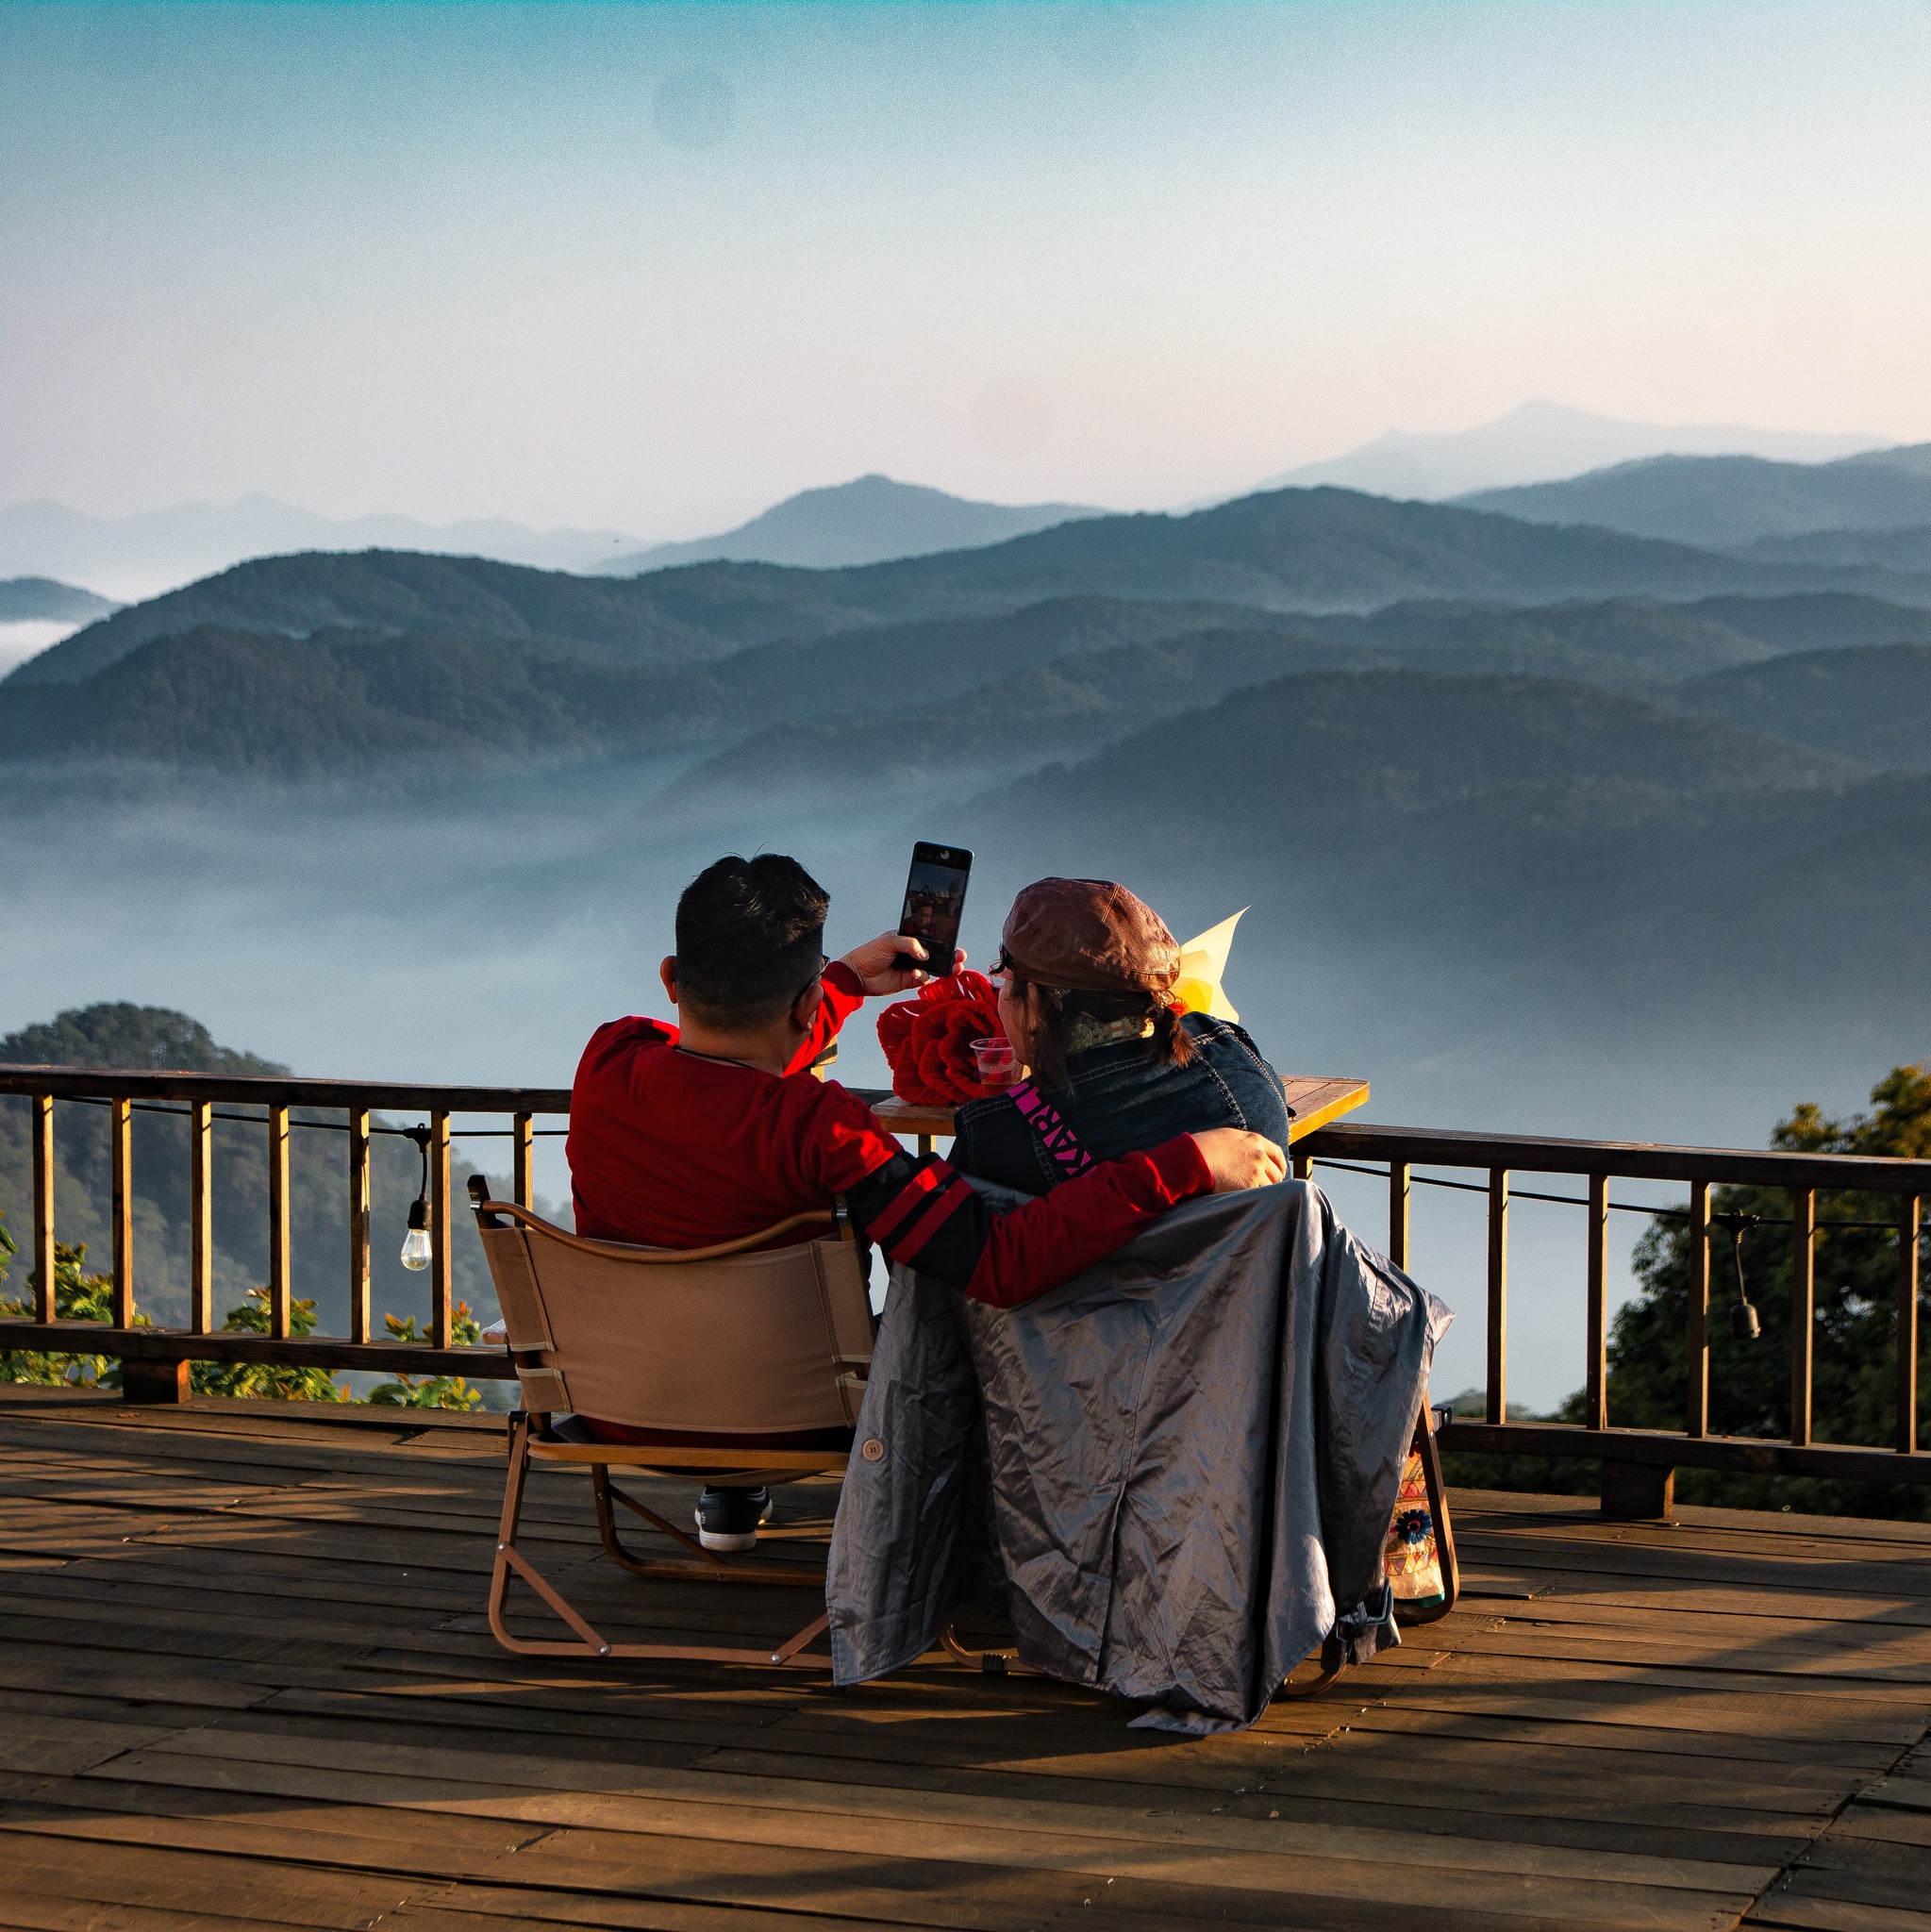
x: 1085, y: 969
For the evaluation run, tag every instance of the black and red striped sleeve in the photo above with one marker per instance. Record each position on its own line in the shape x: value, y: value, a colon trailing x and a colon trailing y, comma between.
x: 926, y: 1214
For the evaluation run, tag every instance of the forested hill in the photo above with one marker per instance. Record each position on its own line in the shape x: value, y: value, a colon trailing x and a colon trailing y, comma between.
x: 680, y: 617
x: 1287, y: 549
x: 1727, y: 502
x: 346, y: 701
x: 1532, y: 827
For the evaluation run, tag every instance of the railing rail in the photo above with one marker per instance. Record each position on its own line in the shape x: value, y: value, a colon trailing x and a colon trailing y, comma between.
x: 1638, y: 1464
x: 155, y: 1359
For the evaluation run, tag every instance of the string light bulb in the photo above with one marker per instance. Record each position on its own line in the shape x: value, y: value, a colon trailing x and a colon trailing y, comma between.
x: 417, y: 1250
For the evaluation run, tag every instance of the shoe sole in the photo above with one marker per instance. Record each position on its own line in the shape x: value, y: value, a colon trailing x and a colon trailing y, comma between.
x: 717, y: 1539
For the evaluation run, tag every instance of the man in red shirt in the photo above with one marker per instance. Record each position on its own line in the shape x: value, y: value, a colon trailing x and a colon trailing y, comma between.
x: 689, y: 1135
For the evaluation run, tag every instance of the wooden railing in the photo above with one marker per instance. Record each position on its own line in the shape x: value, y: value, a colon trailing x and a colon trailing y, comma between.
x: 155, y: 1360
x: 1639, y: 1464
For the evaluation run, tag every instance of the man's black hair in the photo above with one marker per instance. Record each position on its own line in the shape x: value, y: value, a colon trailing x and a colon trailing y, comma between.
x: 750, y: 937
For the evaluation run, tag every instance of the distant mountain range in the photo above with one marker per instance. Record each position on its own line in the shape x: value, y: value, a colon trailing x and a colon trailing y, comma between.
x: 140, y: 556
x: 1290, y: 551
x: 870, y: 519
x: 1723, y: 502
x: 1564, y: 755
x: 1541, y: 442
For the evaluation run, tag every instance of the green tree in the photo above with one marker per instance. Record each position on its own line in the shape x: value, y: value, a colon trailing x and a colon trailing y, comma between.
x: 1853, y: 1346
x: 78, y: 1296
x: 431, y: 1391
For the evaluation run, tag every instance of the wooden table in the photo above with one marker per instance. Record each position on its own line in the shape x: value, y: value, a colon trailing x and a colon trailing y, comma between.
x: 1316, y: 1099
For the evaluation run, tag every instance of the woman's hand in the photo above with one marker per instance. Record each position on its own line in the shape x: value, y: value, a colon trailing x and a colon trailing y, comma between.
x: 890, y: 963
x: 1239, y: 1160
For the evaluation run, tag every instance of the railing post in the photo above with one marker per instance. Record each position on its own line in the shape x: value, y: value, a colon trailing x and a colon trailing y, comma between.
x: 1696, y: 1415
x: 1803, y: 1308
x: 1399, y: 1184
x: 200, y: 1217
x: 121, y: 1128
x: 440, y: 1316
x: 43, y: 1206
x: 278, y: 1292
x: 1907, y: 1324
x: 359, y: 1223
x: 1498, y: 1294
x: 1596, y: 1380
x: 523, y: 1149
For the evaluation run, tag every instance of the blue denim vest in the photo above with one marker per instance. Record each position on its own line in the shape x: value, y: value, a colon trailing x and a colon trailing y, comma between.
x: 1120, y: 1100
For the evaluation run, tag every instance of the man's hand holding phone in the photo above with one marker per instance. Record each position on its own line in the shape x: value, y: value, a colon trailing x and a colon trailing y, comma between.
x: 890, y: 963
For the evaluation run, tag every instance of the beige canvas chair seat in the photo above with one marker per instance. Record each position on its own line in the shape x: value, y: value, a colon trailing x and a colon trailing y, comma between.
x: 740, y: 1341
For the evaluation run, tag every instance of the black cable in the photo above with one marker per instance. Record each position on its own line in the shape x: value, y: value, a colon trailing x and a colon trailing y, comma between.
x: 1424, y: 1180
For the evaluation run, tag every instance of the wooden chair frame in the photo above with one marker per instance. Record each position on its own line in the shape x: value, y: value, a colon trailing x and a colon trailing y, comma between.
x: 599, y: 1458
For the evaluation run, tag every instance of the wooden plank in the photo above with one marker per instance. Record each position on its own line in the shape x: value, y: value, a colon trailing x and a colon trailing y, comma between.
x: 442, y: 1259
x: 1595, y: 1411
x: 812, y: 1813
x: 1803, y: 1308
x: 1210, y: 1856
x: 1907, y: 1396
x: 200, y: 1217
x: 223, y: 1889
x: 280, y: 1271
x: 37, y: 1912
x: 65, y: 1745
x: 40, y: 1131
x: 1496, y: 1387
x: 1696, y: 1345
x: 480, y: 1364
x: 258, y: 1090
x: 1631, y: 1160
x: 481, y: 1908
x: 359, y: 1223
x: 1400, y: 1186
x: 120, y: 1140
x: 1784, y: 1913
x: 523, y: 1159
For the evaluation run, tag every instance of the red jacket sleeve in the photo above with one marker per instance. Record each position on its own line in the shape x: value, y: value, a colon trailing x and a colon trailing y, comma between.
x: 930, y: 1216
x: 843, y: 996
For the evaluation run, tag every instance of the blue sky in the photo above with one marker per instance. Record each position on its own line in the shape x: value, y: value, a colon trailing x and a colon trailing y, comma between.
x: 653, y: 266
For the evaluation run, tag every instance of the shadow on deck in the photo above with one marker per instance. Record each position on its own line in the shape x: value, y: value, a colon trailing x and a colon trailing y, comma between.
x: 244, y: 1680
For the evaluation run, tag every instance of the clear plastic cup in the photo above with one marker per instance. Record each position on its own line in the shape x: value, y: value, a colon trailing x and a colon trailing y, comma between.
x: 997, y: 1063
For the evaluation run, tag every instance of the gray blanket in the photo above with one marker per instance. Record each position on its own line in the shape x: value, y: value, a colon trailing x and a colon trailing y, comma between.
x: 1173, y: 1475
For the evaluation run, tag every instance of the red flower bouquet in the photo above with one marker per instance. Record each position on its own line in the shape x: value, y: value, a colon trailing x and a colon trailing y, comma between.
x: 929, y: 1040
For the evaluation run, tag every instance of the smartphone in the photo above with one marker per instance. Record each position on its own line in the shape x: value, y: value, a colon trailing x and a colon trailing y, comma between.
x: 935, y: 902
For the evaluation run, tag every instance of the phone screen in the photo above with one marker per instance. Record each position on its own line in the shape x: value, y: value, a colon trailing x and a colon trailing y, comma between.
x: 934, y: 901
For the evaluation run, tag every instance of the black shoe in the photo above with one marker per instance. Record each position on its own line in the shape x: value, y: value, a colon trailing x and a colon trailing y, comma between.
x: 727, y: 1520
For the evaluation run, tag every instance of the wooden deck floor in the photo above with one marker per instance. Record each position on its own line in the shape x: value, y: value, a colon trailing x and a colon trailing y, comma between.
x: 244, y: 1680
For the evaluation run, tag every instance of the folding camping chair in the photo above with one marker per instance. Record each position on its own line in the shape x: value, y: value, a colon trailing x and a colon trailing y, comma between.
x: 733, y: 1342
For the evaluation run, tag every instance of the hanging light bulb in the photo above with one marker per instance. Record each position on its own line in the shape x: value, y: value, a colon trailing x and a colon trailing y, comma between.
x: 1744, y: 1324
x: 416, y: 1249
x: 415, y: 1244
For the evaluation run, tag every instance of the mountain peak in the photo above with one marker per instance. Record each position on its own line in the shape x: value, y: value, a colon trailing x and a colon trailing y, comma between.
x: 1542, y: 441
x: 872, y: 519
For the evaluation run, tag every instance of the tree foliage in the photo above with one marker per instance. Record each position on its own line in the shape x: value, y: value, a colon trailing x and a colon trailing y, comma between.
x: 1853, y: 1346
x: 79, y: 1296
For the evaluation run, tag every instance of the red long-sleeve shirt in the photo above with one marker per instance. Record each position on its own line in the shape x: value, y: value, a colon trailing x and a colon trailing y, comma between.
x: 672, y: 1149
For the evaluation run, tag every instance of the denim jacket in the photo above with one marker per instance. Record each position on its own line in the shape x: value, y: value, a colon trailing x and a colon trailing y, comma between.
x: 1120, y: 1100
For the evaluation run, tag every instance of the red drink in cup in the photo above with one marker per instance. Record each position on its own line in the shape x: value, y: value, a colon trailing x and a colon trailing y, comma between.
x: 997, y: 1063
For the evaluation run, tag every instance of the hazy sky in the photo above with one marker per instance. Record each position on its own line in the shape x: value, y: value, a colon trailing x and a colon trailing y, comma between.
x: 655, y: 266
